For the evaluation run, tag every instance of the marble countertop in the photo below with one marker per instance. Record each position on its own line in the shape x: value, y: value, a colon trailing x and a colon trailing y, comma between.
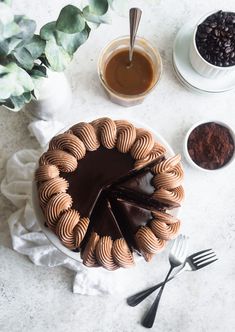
x: 39, y: 299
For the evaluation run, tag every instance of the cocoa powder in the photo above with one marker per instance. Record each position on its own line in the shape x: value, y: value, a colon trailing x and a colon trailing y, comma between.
x: 210, y: 145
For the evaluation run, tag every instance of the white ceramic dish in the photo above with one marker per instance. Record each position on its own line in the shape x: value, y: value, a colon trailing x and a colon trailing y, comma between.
x: 41, y: 219
x: 202, y: 66
x: 192, y: 78
x: 186, y: 153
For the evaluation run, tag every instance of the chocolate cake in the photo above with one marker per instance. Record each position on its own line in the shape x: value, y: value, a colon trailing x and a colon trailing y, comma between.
x: 104, y: 188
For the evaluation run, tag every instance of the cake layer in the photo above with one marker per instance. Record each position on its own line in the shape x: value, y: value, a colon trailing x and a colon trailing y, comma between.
x: 140, y: 187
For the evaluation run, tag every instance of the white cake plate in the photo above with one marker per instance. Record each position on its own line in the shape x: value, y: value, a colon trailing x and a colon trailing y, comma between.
x: 185, y: 72
x: 52, y: 237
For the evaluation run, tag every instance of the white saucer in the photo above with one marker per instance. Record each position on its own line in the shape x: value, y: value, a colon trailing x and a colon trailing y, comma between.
x: 41, y: 219
x: 185, y: 72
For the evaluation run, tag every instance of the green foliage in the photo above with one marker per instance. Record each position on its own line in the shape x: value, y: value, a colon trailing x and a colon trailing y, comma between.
x: 70, y: 20
x: 25, y: 56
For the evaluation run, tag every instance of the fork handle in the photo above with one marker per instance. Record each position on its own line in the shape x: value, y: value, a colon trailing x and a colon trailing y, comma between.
x: 141, y: 296
x: 151, y: 314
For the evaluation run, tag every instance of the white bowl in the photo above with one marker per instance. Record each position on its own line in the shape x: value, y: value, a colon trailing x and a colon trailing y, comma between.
x: 202, y: 66
x: 187, y: 155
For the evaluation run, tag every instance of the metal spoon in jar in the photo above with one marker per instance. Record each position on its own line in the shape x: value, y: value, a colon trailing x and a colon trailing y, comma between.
x: 134, y: 18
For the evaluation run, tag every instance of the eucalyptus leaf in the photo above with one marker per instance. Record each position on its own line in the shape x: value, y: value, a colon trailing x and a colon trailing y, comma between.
x: 57, y: 57
x: 24, y: 58
x: 36, y: 46
x: 16, y: 103
x: 20, y: 101
x: 10, y: 29
x: 8, y: 104
x: 14, y: 43
x: 70, y: 20
x: 14, y: 82
x: 47, y: 32
x: 98, y: 7
x: 71, y: 42
x: 4, y: 48
x: 27, y: 28
x: 89, y: 16
x: 38, y: 71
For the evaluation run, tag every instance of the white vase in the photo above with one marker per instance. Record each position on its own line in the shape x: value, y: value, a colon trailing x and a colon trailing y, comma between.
x: 54, y: 100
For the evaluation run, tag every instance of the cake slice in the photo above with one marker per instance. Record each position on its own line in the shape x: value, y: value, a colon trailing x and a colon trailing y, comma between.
x: 104, y: 241
x: 156, y: 186
x: 135, y: 221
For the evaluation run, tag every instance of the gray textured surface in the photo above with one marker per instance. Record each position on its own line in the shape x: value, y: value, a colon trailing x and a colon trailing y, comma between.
x: 40, y: 299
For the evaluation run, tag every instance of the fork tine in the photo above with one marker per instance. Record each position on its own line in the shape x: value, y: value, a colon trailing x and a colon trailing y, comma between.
x: 204, y: 258
x: 184, y: 248
x: 206, y: 263
x: 193, y: 256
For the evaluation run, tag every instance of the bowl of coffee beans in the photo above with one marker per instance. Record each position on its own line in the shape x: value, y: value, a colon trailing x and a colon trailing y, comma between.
x: 209, y: 146
x: 212, y: 51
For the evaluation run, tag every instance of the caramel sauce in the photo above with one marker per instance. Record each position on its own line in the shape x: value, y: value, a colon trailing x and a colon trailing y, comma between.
x: 126, y: 78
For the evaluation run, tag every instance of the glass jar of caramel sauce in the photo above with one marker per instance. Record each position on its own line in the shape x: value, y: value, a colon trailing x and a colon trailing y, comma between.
x: 126, y: 83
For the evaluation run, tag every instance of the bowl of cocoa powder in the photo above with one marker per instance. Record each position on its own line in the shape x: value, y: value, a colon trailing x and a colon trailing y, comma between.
x: 210, y: 145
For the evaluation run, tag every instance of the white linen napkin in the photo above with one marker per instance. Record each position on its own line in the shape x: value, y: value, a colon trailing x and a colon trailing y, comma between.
x: 28, y: 239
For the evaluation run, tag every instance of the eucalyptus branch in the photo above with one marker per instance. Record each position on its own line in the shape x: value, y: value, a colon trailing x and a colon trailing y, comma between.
x: 26, y: 56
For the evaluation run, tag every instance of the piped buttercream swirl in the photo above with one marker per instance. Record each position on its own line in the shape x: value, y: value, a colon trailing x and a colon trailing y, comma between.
x: 147, y: 241
x: 46, y: 172
x: 65, y: 227
x: 87, y: 134
x: 175, y: 195
x: 70, y: 143
x: 157, y: 151
x: 103, y: 253
x: 108, y: 133
x: 126, y: 135
x: 80, y: 230
x: 166, y: 165
x: 122, y: 254
x: 143, y: 144
x: 169, y: 180
x: 164, y: 217
x: 88, y: 255
x: 164, y: 225
x: 50, y: 188
x: 56, y: 205
x: 63, y: 160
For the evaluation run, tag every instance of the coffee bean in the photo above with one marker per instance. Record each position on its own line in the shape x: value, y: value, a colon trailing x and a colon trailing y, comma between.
x: 215, y: 39
x: 208, y: 30
x: 228, y: 43
x: 228, y: 50
x: 213, y: 25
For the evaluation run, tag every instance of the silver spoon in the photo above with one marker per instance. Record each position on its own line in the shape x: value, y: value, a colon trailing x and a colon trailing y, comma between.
x: 134, y: 18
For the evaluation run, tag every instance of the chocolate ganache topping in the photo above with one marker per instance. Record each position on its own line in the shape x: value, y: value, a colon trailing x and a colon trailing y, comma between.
x: 104, y: 188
